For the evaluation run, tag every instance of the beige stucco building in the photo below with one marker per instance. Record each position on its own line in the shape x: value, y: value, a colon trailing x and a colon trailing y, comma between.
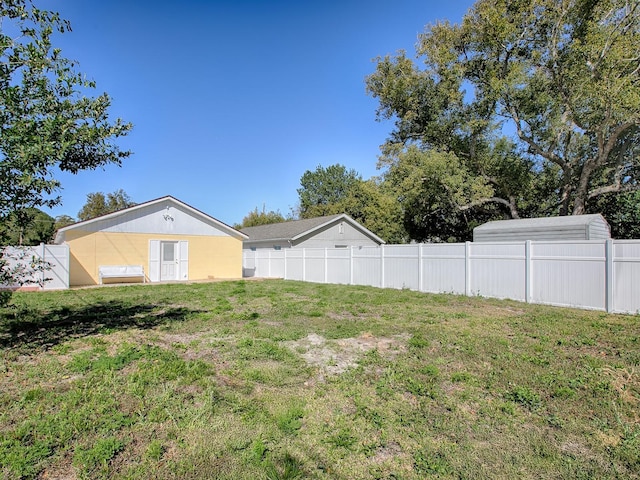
x: 169, y: 239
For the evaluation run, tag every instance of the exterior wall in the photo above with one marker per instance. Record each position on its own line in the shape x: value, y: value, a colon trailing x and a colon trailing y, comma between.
x: 209, y: 256
x: 573, y: 232
x: 598, y: 231
x: 579, y: 227
x: 166, y: 217
x: 331, y: 238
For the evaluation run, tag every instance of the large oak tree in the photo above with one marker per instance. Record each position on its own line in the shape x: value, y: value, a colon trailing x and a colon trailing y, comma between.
x: 556, y: 82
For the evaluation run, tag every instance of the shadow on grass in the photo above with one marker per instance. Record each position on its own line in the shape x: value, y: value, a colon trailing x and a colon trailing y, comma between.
x: 30, y: 330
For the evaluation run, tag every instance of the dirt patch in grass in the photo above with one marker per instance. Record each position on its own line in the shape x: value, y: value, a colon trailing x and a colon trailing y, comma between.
x: 63, y: 470
x: 333, y: 357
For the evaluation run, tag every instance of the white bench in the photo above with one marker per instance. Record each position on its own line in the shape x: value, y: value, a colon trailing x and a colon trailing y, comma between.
x: 120, y: 271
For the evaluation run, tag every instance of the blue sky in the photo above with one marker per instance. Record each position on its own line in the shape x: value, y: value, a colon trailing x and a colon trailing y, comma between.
x: 232, y: 101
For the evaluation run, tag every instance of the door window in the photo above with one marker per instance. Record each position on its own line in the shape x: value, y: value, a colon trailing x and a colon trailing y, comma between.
x: 168, y: 252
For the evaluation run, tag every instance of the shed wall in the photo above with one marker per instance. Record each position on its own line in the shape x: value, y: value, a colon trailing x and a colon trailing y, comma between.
x: 595, y: 229
x: 598, y: 231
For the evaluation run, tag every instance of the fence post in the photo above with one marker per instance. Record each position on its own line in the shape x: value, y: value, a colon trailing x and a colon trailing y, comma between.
x: 326, y: 265
x: 381, y: 266
x: 609, y: 280
x: 420, y: 273
x: 269, y: 260
x: 286, y: 250
x: 304, y: 264
x: 351, y: 265
x: 42, y: 265
x: 467, y: 269
x: 527, y: 271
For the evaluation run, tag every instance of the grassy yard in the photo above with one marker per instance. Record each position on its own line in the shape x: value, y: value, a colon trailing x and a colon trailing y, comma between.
x: 281, y: 380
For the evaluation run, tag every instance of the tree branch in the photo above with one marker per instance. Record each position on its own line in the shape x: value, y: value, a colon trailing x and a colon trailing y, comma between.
x: 481, y: 201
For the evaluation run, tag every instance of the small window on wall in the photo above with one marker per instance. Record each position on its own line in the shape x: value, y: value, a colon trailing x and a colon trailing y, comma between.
x: 341, y: 246
x: 277, y: 247
x: 253, y: 249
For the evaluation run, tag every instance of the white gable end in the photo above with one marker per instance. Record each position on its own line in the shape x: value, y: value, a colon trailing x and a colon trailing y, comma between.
x: 160, y: 218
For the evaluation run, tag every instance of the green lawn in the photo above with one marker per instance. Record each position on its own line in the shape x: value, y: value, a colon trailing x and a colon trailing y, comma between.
x: 277, y: 380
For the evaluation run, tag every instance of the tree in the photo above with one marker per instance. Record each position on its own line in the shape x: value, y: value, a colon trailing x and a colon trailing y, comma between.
x: 374, y: 207
x: 62, y: 221
x: 559, y: 79
x: 323, y: 189
x: 48, y: 122
x: 28, y: 227
x: 430, y: 186
x: 334, y: 190
x: 622, y: 212
x: 97, y: 204
x: 256, y: 218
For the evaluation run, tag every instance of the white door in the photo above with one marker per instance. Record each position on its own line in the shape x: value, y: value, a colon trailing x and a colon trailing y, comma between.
x: 168, y: 261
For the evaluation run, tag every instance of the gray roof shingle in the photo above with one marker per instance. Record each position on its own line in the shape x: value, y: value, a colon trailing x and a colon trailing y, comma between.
x: 286, y: 230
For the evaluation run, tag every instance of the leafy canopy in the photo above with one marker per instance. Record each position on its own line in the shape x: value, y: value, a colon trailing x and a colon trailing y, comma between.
x: 98, y: 204
x: 48, y: 121
x: 535, y: 103
x: 28, y: 227
x: 256, y: 218
x: 335, y: 189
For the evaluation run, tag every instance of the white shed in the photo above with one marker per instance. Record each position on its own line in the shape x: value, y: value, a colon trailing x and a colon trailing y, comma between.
x: 573, y: 227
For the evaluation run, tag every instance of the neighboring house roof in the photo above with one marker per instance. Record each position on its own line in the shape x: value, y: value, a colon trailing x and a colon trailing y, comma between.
x: 296, y: 229
x: 167, y: 200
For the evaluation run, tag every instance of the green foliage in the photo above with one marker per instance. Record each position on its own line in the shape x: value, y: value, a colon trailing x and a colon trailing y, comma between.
x: 286, y: 468
x: 622, y: 212
x: 290, y: 420
x: 525, y: 397
x: 26, y: 227
x: 522, y: 109
x: 430, y: 463
x: 98, y: 455
x: 334, y: 189
x: 323, y: 190
x: 98, y: 204
x: 49, y: 122
x: 256, y: 218
x: 155, y: 450
x: 62, y: 221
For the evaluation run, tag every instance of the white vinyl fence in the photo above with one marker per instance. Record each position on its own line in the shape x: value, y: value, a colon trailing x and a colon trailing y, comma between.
x: 56, y: 258
x: 599, y: 275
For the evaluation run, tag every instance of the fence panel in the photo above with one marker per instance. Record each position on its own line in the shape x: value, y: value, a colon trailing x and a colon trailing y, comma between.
x: 295, y: 265
x: 55, y: 276
x: 626, y: 276
x: 367, y: 266
x: 569, y: 274
x: 339, y: 265
x: 498, y: 270
x: 601, y: 275
x: 443, y: 268
x: 249, y: 264
x: 315, y: 265
x: 401, y: 266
